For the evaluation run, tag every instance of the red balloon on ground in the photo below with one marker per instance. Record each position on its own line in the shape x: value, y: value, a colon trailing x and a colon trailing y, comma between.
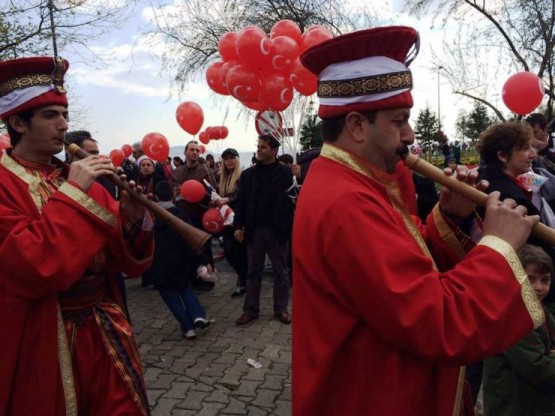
x: 189, y: 116
x: 192, y: 191
x: 156, y: 146
x: 117, y: 157
x: 226, y: 46
x: 286, y: 28
x: 523, y: 92
x: 212, y: 221
x: 127, y: 150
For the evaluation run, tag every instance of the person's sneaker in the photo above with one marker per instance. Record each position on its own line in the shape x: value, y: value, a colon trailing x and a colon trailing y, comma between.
x: 203, y: 323
x: 245, y: 319
x: 240, y: 291
x: 190, y: 334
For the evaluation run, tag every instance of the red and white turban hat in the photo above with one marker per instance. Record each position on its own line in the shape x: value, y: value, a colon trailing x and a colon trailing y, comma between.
x: 364, y: 71
x: 28, y: 83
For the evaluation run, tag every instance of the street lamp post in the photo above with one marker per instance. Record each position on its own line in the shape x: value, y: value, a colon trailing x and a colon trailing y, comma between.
x: 438, y: 98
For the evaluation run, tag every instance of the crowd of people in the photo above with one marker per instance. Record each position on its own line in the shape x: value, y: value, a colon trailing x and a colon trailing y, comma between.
x: 404, y: 304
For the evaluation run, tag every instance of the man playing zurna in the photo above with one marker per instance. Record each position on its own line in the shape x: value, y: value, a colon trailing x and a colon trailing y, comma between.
x: 67, y: 347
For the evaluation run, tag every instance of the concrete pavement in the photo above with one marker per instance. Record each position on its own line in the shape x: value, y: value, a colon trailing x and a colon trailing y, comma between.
x: 210, y: 375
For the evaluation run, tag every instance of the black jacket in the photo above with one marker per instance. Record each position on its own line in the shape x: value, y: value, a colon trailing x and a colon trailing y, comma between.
x: 246, y: 203
x: 174, y: 264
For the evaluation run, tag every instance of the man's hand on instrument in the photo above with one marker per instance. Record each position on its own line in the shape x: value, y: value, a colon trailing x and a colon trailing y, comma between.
x: 85, y: 171
x: 508, y: 221
x: 457, y: 205
x: 134, y: 210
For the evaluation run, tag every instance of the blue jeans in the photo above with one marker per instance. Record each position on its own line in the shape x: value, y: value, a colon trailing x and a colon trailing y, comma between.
x: 184, y: 305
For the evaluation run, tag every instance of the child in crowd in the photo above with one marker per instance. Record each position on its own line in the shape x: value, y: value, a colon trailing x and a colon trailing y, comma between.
x: 521, y: 381
x: 174, y: 266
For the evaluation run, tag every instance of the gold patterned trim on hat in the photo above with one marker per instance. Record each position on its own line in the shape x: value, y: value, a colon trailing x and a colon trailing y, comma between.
x: 365, y: 85
x: 528, y: 296
x: 25, y: 81
x: 88, y: 203
x: 58, y: 74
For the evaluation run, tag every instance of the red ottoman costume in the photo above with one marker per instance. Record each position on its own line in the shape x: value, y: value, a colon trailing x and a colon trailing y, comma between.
x: 379, y: 329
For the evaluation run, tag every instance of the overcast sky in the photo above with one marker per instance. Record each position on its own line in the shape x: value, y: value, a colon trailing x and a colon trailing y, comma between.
x: 130, y: 97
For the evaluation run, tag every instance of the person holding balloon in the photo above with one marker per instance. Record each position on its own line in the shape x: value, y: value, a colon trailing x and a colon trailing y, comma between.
x: 235, y: 252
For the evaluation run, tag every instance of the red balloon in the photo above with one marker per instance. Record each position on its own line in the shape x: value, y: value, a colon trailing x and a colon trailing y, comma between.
x: 283, y: 53
x: 156, y: 146
x: 213, y: 78
x: 523, y: 92
x: 224, y: 132
x: 226, y: 46
x: 212, y: 221
x: 212, y: 133
x: 204, y: 137
x: 5, y: 141
x: 202, y: 149
x: 314, y: 36
x: 117, y: 157
x: 190, y: 117
x: 286, y: 28
x: 304, y: 81
x: 253, y: 47
x: 255, y: 105
x: 277, y: 91
x: 225, y: 69
x: 243, y: 83
x: 192, y: 191
x: 127, y: 150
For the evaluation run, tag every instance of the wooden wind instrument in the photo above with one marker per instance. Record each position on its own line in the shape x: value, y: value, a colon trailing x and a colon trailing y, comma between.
x: 195, y: 238
x: 430, y: 171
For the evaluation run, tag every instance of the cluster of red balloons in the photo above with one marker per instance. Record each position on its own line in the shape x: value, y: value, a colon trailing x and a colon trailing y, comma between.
x: 523, y: 92
x: 189, y: 116
x: 261, y: 71
x: 213, y: 133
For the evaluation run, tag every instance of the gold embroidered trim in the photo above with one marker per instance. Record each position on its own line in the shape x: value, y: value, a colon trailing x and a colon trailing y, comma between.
x: 391, y: 186
x: 365, y: 85
x: 25, y: 81
x: 31, y: 180
x: 446, y: 233
x: 65, y: 367
x: 88, y: 203
x: 529, y: 298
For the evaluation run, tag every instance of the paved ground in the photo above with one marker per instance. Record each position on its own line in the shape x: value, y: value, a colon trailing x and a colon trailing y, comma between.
x: 210, y: 375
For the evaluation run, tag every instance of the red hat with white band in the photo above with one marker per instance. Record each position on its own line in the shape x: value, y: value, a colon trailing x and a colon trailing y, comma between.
x: 28, y: 83
x: 364, y: 71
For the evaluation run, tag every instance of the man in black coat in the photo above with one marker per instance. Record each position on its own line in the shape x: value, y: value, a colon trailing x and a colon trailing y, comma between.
x: 263, y: 219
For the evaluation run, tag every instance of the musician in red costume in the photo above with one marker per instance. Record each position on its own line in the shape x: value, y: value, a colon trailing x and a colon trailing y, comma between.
x: 384, y: 323
x: 67, y: 347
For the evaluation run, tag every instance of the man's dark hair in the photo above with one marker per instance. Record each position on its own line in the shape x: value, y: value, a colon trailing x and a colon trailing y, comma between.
x: 187, y: 145
x: 25, y: 117
x: 287, y: 159
x: 271, y: 140
x: 332, y: 127
x: 164, y: 191
x: 537, y: 119
x: 530, y: 254
x: 78, y: 137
